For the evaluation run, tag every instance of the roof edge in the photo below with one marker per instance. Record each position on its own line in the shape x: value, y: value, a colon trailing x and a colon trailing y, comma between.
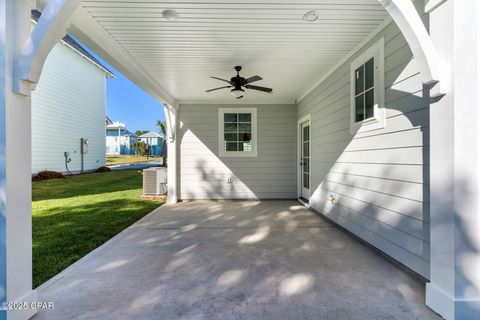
x: 69, y: 41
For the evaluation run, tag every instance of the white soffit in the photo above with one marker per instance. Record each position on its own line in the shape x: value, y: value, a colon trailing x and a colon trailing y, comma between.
x: 268, y: 38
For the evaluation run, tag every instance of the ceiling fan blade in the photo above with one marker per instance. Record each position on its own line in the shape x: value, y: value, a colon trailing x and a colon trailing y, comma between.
x: 259, y: 88
x: 218, y: 88
x: 253, y: 79
x: 227, y: 81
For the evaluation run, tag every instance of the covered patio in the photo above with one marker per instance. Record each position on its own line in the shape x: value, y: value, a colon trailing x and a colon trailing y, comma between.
x: 235, y: 260
x: 373, y: 122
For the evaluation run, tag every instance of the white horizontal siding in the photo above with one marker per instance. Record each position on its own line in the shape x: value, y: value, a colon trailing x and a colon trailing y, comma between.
x: 380, y: 177
x: 203, y: 174
x: 68, y: 104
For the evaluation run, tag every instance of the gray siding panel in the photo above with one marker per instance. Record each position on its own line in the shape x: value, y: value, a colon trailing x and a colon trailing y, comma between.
x: 203, y: 174
x: 379, y: 177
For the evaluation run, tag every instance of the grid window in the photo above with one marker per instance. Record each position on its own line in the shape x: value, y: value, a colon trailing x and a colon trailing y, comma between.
x: 367, y: 89
x: 237, y: 132
x: 237, y: 129
x: 364, y: 91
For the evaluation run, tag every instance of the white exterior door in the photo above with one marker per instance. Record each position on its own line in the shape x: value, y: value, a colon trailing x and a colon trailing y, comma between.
x: 305, y: 160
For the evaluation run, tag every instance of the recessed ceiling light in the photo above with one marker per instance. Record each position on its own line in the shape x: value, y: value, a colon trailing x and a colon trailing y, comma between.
x: 310, y: 16
x: 170, y: 15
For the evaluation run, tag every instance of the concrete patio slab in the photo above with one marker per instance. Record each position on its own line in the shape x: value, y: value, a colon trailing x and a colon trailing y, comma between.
x: 234, y: 260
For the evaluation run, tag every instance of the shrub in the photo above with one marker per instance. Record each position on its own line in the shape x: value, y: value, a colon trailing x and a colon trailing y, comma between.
x: 47, y: 175
x: 103, y: 169
x: 140, y: 146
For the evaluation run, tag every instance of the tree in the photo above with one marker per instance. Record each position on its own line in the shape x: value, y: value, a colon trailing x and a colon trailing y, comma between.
x: 140, y: 146
x: 138, y: 133
x: 162, y: 126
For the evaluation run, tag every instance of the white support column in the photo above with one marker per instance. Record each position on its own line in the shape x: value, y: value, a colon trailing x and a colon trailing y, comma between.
x: 454, y: 288
x: 3, y: 214
x: 172, y: 149
x: 22, y: 55
x: 15, y: 164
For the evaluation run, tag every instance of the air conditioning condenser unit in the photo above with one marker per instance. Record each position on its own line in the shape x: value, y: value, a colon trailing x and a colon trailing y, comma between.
x: 155, y: 181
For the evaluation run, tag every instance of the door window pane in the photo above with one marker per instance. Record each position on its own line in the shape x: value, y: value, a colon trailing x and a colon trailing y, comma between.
x: 306, y: 149
x: 306, y: 180
x: 306, y: 133
x: 306, y: 165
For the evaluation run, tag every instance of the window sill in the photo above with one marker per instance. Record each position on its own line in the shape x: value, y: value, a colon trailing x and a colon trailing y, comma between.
x: 234, y: 154
x: 375, y: 123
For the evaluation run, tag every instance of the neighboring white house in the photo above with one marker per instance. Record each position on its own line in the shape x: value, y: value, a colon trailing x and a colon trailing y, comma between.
x: 154, y: 141
x: 119, y: 139
x: 374, y: 119
x: 69, y: 105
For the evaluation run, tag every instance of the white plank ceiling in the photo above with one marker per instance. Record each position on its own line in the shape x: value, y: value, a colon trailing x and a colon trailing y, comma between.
x: 266, y: 37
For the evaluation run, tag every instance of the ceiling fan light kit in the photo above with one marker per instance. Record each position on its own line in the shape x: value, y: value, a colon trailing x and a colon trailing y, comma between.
x: 239, y: 84
x: 238, y: 92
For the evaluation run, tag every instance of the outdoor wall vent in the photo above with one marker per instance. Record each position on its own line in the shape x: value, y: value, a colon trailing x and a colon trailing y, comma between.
x: 155, y: 181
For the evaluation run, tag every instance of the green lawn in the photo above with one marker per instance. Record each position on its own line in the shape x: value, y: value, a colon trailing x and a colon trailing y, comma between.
x: 73, y: 216
x: 124, y: 159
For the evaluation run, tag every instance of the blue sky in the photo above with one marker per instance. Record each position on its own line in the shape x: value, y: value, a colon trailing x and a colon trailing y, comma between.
x: 128, y: 103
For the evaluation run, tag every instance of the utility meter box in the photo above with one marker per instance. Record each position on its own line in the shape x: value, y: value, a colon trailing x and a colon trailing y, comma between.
x: 84, y: 145
x: 155, y: 181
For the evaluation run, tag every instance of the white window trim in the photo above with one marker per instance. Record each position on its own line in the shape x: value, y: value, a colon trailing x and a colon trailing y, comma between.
x: 221, y: 151
x: 378, y: 121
